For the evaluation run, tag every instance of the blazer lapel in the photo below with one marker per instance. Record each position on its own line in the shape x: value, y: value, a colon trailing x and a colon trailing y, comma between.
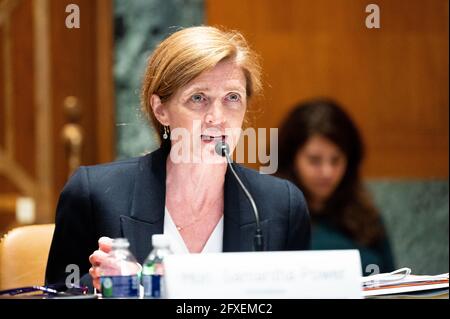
x: 139, y: 234
x: 239, y: 218
x: 231, y: 214
x: 147, y: 209
x: 147, y: 205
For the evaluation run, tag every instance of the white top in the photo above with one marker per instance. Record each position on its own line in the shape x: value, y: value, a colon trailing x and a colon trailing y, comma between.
x: 177, y: 245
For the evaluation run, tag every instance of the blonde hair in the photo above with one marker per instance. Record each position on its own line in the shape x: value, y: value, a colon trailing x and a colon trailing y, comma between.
x: 186, y: 54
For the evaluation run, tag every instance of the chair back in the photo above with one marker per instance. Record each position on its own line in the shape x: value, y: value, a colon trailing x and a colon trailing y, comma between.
x: 23, y: 255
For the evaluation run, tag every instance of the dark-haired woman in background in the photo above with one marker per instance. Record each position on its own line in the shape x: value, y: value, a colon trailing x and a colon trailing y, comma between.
x: 320, y: 150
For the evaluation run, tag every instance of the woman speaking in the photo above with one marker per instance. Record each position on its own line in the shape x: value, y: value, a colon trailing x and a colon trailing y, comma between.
x: 199, y: 80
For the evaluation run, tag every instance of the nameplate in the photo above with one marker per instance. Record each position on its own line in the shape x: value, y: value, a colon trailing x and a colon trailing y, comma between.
x: 272, y: 275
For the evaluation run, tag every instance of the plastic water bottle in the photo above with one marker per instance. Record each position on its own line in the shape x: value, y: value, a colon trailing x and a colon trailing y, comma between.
x: 120, y: 272
x: 153, y: 268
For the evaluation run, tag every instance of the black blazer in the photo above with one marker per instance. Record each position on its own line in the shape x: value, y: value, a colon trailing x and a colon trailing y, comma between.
x: 127, y: 199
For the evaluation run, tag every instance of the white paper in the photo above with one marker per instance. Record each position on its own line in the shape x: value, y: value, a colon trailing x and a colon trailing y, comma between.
x: 408, y: 289
x: 399, y: 277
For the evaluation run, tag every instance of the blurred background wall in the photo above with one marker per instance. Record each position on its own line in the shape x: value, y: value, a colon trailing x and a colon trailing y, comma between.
x: 56, y: 101
x: 139, y: 26
x: 393, y: 81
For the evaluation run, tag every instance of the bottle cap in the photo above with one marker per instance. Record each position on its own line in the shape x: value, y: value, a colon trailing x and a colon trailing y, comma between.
x: 120, y: 243
x: 160, y: 240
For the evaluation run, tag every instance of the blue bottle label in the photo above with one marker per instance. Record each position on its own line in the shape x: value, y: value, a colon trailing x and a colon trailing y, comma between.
x: 120, y: 286
x: 156, y: 286
x: 153, y: 286
x: 147, y: 283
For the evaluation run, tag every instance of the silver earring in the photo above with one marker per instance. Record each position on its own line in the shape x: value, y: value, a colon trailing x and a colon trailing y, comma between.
x: 166, y: 131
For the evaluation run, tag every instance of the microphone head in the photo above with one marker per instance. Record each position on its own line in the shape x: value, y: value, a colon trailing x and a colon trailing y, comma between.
x: 221, y: 148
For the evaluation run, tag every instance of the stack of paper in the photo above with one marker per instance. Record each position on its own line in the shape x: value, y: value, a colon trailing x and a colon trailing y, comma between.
x: 402, y: 283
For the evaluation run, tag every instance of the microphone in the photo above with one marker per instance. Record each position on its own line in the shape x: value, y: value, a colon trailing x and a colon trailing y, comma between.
x: 223, y: 149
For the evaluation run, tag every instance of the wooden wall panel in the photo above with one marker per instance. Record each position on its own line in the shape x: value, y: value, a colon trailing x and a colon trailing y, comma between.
x: 42, y: 62
x: 82, y: 67
x: 23, y: 106
x: 73, y: 70
x: 393, y: 81
x: 17, y: 124
x: 2, y: 89
x: 8, y: 187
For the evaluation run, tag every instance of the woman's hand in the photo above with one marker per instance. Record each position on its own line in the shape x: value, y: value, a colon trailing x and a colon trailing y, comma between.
x: 97, y: 258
